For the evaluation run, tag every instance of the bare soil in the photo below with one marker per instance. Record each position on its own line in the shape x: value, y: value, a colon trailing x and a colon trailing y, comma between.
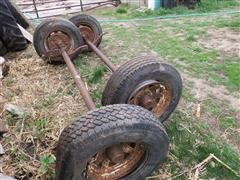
x: 225, y: 40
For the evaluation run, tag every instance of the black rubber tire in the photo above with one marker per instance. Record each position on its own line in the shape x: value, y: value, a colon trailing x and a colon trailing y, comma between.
x: 3, y: 49
x: 107, y: 126
x: 45, y: 28
x: 91, y: 22
x: 130, y: 75
x: 19, y: 17
x: 10, y: 34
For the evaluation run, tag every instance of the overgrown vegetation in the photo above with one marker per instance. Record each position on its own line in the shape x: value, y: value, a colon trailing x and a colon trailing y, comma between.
x: 126, y: 11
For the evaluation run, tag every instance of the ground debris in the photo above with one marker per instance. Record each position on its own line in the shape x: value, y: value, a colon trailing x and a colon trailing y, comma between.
x: 2, y: 152
x: 15, y: 110
x: 3, y: 177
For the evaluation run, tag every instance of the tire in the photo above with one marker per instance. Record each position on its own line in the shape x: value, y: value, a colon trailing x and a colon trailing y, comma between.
x: 10, y: 34
x: 46, y: 28
x: 107, y: 126
x: 3, y: 49
x: 92, y: 23
x: 124, y: 82
x: 19, y: 17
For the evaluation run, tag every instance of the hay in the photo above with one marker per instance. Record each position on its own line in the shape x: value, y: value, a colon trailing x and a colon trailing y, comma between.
x: 47, y: 92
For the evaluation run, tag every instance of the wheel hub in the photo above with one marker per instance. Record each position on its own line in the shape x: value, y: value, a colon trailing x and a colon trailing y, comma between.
x: 57, y: 39
x: 152, y: 95
x: 88, y: 33
x: 115, y: 162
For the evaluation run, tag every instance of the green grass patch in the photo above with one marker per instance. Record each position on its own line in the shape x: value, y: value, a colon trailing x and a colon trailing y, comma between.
x: 226, y: 121
x: 233, y: 74
x: 128, y: 12
x: 230, y: 23
x: 97, y: 74
x: 38, y: 127
x: 193, y: 142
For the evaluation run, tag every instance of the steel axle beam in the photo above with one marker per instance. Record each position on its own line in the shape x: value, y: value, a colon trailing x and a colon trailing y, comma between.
x: 77, y: 78
x: 99, y: 53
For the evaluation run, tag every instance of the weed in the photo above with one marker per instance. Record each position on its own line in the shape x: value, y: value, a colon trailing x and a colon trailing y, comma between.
x: 226, y: 121
x: 233, y: 74
x: 121, y: 10
x: 48, y: 101
x: 38, y: 127
x: 193, y: 142
x: 12, y: 119
x: 230, y: 23
x: 205, y: 6
x: 97, y: 74
x: 47, y: 161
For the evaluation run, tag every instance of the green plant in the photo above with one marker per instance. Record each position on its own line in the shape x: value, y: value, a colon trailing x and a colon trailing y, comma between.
x: 233, y: 73
x: 121, y: 10
x: 38, y: 127
x: 47, y: 161
x: 97, y: 74
x: 227, y: 122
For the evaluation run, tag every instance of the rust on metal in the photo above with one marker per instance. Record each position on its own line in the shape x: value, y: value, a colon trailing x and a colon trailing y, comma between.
x: 99, y: 53
x: 154, y: 96
x: 80, y: 84
x: 103, y: 166
x: 55, y: 38
x: 115, y: 153
x: 87, y: 32
x: 39, y: 8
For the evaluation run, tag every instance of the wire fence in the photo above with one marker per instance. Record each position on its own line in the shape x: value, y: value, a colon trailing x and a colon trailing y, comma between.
x: 38, y: 9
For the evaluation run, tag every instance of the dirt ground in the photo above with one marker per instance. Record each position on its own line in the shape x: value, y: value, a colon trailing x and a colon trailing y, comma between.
x: 224, y: 40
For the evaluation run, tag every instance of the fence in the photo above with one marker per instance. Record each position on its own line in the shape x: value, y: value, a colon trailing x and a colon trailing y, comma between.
x: 37, y: 9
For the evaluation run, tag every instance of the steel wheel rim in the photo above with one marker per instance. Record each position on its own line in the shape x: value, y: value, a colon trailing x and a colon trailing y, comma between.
x: 152, y: 95
x: 56, y: 39
x: 101, y: 166
x: 87, y: 32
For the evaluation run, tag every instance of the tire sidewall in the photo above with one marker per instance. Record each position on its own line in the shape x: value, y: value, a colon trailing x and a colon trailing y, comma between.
x: 156, y: 153
x: 162, y: 73
x: 83, y: 19
x: 49, y: 26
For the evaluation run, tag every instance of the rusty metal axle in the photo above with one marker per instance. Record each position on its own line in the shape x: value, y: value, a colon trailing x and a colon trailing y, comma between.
x: 99, y: 53
x: 77, y: 78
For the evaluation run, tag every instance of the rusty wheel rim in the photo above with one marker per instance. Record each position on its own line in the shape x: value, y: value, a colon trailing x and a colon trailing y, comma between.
x: 152, y: 95
x: 58, y: 39
x: 115, y: 162
x: 87, y: 32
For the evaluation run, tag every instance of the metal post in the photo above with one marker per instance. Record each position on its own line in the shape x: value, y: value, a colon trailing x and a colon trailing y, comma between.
x: 110, y: 65
x: 35, y: 7
x: 80, y: 84
x: 81, y: 4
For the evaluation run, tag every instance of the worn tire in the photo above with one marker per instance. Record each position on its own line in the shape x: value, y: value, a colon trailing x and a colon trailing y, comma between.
x: 107, y: 126
x: 43, y: 31
x: 130, y: 75
x: 3, y: 49
x: 19, y: 17
x: 89, y: 21
x: 10, y: 34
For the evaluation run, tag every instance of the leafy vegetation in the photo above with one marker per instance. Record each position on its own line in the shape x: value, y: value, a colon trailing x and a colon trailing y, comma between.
x: 127, y: 12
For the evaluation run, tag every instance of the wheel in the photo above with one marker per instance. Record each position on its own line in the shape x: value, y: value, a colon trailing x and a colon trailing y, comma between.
x: 113, y: 142
x: 3, y: 49
x: 88, y: 27
x: 19, y: 17
x: 54, y: 32
x: 10, y: 34
x: 145, y: 82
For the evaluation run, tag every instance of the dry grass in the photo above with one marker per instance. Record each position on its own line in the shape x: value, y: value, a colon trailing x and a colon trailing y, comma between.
x: 48, y: 94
